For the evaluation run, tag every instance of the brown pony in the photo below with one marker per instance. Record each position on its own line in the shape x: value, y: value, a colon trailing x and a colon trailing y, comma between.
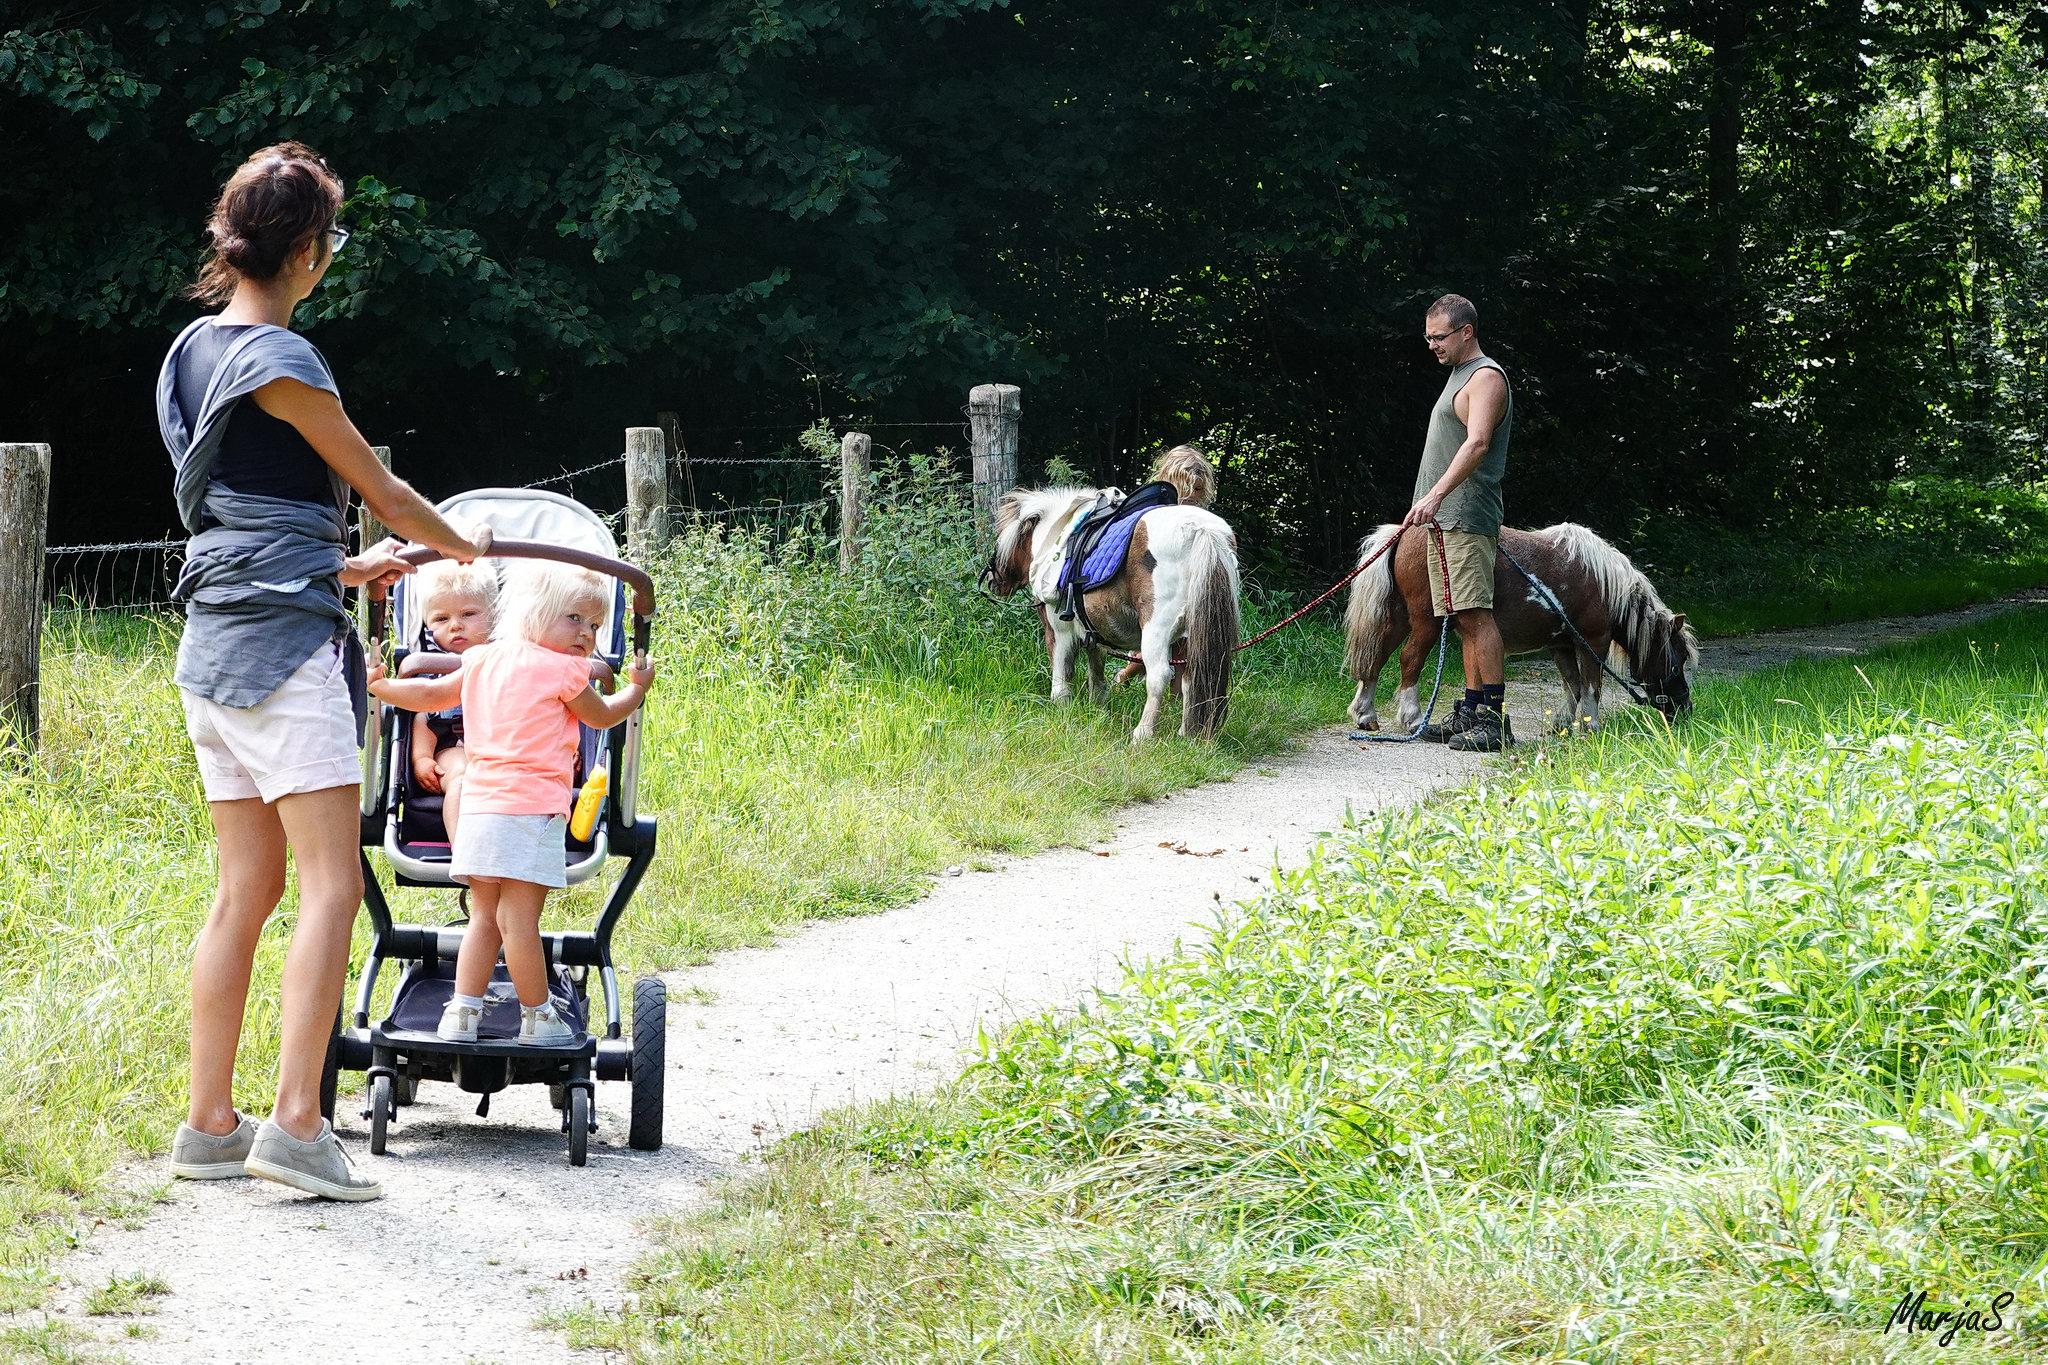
x: 1179, y: 582
x: 1610, y: 602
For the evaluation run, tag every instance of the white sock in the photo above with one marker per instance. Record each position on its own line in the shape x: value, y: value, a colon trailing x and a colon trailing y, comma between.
x: 544, y: 1007
x: 475, y: 1002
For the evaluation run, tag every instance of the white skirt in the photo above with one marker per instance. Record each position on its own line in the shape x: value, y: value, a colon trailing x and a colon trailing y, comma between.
x: 520, y: 848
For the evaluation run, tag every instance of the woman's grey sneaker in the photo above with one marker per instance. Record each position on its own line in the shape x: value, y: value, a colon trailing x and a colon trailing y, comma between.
x: 205, y: 1156
x: 317, y: 1167
x: 458, y: 1022
x: 540, y: 1024
x: 1456, y: 723
x: 1489, y: 733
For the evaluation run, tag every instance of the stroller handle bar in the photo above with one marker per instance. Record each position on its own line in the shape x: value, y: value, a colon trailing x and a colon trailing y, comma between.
x: 631, y: 575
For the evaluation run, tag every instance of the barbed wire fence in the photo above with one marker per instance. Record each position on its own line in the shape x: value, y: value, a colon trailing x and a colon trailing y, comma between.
x: 137, y: 576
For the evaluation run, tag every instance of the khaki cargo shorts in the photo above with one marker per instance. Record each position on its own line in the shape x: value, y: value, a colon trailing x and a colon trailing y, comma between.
x: 1471, y: 569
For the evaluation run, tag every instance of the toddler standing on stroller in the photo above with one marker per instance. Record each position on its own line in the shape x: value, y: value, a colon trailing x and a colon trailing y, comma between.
x: 522, y: 695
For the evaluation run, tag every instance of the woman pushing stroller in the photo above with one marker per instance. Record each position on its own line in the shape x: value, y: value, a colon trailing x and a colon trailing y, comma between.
x: 522, y: 696
x: 269, y: 663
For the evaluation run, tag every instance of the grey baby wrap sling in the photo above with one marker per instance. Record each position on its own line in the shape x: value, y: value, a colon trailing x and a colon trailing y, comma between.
x: 261, y: 584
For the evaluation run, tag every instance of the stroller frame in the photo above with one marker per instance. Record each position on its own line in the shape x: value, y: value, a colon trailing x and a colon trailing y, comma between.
x: 396, y: 1059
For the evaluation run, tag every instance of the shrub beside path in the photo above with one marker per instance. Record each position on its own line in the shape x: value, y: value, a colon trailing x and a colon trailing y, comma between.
x: 485, y: 1227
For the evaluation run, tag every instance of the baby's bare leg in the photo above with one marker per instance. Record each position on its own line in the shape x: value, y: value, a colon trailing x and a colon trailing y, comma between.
x: 519, y: 907
x: 479, y: 954
x: 454, y: 761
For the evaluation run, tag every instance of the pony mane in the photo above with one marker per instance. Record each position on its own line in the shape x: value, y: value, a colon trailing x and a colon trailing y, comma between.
x: 1021, y: 507
x: 1643, y: 625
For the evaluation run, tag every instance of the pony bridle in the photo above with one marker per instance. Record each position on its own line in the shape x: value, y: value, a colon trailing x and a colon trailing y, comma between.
x: 1673, y: 668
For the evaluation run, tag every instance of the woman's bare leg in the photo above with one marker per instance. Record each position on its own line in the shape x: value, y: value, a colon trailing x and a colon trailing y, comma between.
x: 478, y: 956
x: 324, y: 831
x: 519, y: 907
x: 251, y: 884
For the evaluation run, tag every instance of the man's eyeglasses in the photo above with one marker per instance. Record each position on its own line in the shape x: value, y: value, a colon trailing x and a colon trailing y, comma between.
x: 1431, y: 337
x: 337, y: 238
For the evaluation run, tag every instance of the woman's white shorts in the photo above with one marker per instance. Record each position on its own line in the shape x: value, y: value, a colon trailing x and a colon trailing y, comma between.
x: 300, y: 738
x: 522, y: 848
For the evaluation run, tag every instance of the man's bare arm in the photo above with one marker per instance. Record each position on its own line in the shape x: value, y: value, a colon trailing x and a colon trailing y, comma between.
x: 1488, y: 392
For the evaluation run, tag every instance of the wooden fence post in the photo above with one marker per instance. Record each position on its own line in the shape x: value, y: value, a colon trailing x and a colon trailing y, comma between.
x: 369, y: 530
x: 646, y: 494
x: 992, y: 420
x: 855, y: 449
x: 24, y: 510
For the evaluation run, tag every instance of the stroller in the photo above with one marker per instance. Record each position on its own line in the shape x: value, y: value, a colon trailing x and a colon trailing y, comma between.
x: 405, y: 822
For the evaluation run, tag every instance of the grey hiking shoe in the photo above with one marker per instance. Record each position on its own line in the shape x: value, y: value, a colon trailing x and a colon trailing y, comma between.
x: 205, y: 1156
x: 1456, y: 723
x: 318, y: 1167
x: 1489, y: 733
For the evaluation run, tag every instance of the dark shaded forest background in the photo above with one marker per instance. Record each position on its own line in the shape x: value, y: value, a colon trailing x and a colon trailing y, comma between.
x: 1744, y: 261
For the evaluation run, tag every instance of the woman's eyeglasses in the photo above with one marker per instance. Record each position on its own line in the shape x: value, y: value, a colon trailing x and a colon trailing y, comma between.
x: 337, y: 238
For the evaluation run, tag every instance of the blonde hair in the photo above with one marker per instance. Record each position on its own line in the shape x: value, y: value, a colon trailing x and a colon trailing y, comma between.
x: 1190, y: 473
x: 445, y: 578
x: 536, y: 592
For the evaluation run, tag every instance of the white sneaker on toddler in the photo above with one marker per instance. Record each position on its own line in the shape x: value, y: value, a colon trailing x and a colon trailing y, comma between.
x: 458, y: 1022
x: 539, y: 1024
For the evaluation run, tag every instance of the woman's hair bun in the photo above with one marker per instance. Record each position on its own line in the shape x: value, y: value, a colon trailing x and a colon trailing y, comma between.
x: 278, y: 200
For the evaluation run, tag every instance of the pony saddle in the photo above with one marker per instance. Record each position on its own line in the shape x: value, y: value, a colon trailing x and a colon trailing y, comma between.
x: 1098, y: 543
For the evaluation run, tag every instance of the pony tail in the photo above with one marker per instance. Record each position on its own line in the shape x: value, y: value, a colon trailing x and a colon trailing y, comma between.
x: 1212, y: 632
x: 1366, y: 613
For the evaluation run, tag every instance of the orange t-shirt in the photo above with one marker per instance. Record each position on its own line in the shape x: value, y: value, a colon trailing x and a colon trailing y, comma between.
x: 518, y: 728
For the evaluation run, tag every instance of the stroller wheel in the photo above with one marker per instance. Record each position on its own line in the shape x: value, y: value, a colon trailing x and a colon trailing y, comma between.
x: 380, y: 1112
x: 650, y: 1055
x: 579, y: 1126
x: 405, y: 1090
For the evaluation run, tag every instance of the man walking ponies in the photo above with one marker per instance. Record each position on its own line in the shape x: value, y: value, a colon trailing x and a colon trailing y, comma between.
x: 1458, y: 487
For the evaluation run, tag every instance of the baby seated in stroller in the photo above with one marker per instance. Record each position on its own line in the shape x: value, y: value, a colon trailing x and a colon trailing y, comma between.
x: 521, y: 696
x: 458, y: 608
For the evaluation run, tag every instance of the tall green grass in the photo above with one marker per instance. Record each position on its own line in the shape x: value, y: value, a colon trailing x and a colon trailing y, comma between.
x: 816, y: 745
x: 1926, y: 545
x: 1694, y: 1045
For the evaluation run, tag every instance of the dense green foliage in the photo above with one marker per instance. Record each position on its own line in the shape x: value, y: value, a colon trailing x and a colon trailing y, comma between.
x: 1694, y: 1046
x: 1743, y: 257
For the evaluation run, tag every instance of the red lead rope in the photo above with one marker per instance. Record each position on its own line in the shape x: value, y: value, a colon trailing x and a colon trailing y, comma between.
x: 1335, y: 588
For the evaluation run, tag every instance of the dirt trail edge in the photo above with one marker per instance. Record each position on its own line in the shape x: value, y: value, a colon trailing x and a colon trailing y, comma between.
x: 484, y: 1226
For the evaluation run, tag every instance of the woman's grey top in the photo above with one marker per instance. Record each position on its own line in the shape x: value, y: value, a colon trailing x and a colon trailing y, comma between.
x: 261, y: 583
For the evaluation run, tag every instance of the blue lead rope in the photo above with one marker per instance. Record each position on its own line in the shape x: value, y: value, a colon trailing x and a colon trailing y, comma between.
x: 1443, y: 640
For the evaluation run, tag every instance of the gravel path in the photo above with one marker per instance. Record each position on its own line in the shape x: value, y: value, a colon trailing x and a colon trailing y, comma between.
x: 484, y: 1225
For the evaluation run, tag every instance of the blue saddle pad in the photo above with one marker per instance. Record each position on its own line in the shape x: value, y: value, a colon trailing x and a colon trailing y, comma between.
x: 1103, y: 538
x: 1103, y: 563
